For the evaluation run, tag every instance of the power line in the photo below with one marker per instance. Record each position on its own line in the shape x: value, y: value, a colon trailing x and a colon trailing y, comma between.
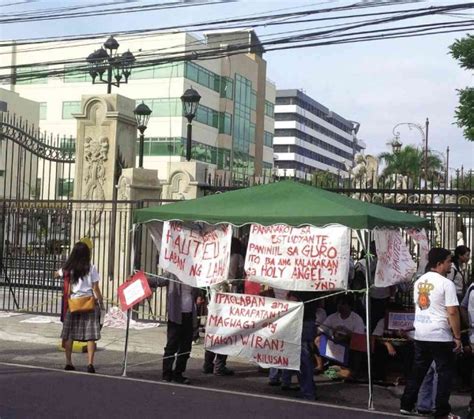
x: 132, y: 9
x: 211, y: 53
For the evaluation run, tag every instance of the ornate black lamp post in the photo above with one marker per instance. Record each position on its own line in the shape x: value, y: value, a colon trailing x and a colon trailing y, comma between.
x: 190, y: 101
x: 118, y: 67
x: 142, y: 115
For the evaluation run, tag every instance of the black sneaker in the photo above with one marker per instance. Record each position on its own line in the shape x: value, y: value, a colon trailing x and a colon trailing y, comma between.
x: 406, y: 412
x: 69, y: 367
x: 208, y: 370
x: 91, y: 369
x: 166, y: 377
x: 224, y: 372
x: 285, y: 387
x: 181, y: 379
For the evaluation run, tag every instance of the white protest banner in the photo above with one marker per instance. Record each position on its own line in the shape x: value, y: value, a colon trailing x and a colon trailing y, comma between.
x: 263, y: 330
x: 306, y: 258
x: 394, y: 262
x: 198, y: 256
x: 421, y: 238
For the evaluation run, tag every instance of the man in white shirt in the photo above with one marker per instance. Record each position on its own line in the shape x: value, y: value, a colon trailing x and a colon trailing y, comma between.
x: 437, y: 325
x: 342, y: 325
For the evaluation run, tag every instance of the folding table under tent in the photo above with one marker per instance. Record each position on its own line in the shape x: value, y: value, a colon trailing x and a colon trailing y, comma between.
x: 292, y: 203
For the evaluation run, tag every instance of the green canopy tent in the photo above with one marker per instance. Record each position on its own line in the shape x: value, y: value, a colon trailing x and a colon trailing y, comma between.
x: 290, y: 203
x: 285, y: 202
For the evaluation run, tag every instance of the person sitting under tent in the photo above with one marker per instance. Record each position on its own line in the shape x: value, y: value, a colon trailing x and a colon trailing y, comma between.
x: 385, y: 349
x: 342, y: 326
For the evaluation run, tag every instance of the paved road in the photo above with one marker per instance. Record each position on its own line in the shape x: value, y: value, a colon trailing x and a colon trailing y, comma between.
x: 39, y: 392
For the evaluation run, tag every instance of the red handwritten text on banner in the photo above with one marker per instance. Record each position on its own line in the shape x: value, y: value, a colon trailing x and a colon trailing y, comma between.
x: 307, y: 258
x: 263, y: 330
x: 197, y: 256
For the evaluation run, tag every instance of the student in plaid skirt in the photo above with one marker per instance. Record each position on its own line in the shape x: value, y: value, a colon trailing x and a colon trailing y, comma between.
x: 81, y: 279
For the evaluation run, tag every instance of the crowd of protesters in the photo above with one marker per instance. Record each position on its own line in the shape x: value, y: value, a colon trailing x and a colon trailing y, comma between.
x: 428, y: 356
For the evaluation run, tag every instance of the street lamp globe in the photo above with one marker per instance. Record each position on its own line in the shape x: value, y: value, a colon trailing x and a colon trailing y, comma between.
x: 142, y: 115
x: 112, y: 45
x: 396, y: 145
x: 190, y: 101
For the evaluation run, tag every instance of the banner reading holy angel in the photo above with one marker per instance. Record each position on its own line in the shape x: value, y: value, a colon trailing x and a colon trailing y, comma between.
x: 306, y: 258
x: 263, y: 330
x: 198, y: 256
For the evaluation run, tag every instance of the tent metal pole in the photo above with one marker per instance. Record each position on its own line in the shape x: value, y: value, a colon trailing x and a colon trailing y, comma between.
x: 364, y: 241
x: 129, y: 311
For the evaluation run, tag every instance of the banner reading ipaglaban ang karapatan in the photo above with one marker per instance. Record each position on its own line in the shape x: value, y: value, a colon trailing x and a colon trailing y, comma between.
x: 198, y: 255
x: 263, y: 330
x: 306, y: 258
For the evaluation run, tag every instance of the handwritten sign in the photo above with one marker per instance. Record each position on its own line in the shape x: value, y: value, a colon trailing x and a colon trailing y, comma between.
x: 263, y: 330
x: 307, y: 258
x: 422, y: 239
x: 133, y: 291
x: 394, y: 262
x: 397, y: 320
x: 197, y: 256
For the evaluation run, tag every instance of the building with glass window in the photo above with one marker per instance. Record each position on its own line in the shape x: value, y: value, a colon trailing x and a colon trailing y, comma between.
x: 234, y: 125
x: 310, y: 137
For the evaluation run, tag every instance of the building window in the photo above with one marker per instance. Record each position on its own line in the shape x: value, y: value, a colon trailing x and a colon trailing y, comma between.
x: 225, y: 123
x: 202, y: 76
x: 163, y: 107
x: 267, y: 139
x: 43, y: 110
x: 32, y: 75
x: 76, y: 76
x: 2, y: 173
x: 253, y: 100
x: 227, y: 87
x: 65, y: 187
x: 70, y: 108
x: 269, y: 109
x: 159, y: 71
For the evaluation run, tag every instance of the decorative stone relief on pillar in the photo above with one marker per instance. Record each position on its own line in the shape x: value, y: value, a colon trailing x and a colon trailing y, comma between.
x: 95, y: 155
x: 179, y: 186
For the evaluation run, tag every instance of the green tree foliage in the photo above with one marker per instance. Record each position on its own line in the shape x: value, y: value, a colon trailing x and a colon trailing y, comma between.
x: 409, y: 161
x: 463, y: 51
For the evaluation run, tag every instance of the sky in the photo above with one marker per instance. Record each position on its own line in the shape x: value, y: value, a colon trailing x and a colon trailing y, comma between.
x: 378, y: 84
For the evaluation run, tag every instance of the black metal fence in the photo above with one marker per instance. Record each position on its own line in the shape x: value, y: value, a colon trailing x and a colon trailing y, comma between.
x: 36, y: 238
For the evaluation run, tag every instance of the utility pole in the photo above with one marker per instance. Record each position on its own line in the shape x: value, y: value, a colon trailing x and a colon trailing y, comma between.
x: 427, y: 125
x: 447, y: 166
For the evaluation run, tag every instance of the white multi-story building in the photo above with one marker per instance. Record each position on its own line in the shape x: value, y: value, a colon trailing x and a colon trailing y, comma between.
x: 233, y: 128
x: 309, y: 137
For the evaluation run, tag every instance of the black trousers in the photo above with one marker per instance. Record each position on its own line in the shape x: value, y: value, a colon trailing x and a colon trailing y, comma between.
x: 214, y: 362
x: 178, y: 345
x: 425, y: 353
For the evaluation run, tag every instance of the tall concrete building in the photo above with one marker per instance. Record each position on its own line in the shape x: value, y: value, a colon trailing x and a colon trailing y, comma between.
x: 310, y: 137
x: 232, y: 131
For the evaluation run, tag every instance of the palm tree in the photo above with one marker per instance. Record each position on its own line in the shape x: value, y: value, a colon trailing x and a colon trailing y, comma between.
x: 409, y: 162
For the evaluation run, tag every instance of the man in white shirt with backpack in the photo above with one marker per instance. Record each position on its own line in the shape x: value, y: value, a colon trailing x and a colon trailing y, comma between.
x: 437, y: 333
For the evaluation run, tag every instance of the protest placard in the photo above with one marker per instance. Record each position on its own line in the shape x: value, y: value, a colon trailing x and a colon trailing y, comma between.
x: 263, y: 330
x: 394, y: 262
x: 421, y: 238
x: 198, y: 255
x: 306, y: 258
x: 400, y: 320
x: 334, y: 351
x: 134, y: 290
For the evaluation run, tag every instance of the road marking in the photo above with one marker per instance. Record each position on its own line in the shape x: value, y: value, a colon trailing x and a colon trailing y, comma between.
x: 212, y: 390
